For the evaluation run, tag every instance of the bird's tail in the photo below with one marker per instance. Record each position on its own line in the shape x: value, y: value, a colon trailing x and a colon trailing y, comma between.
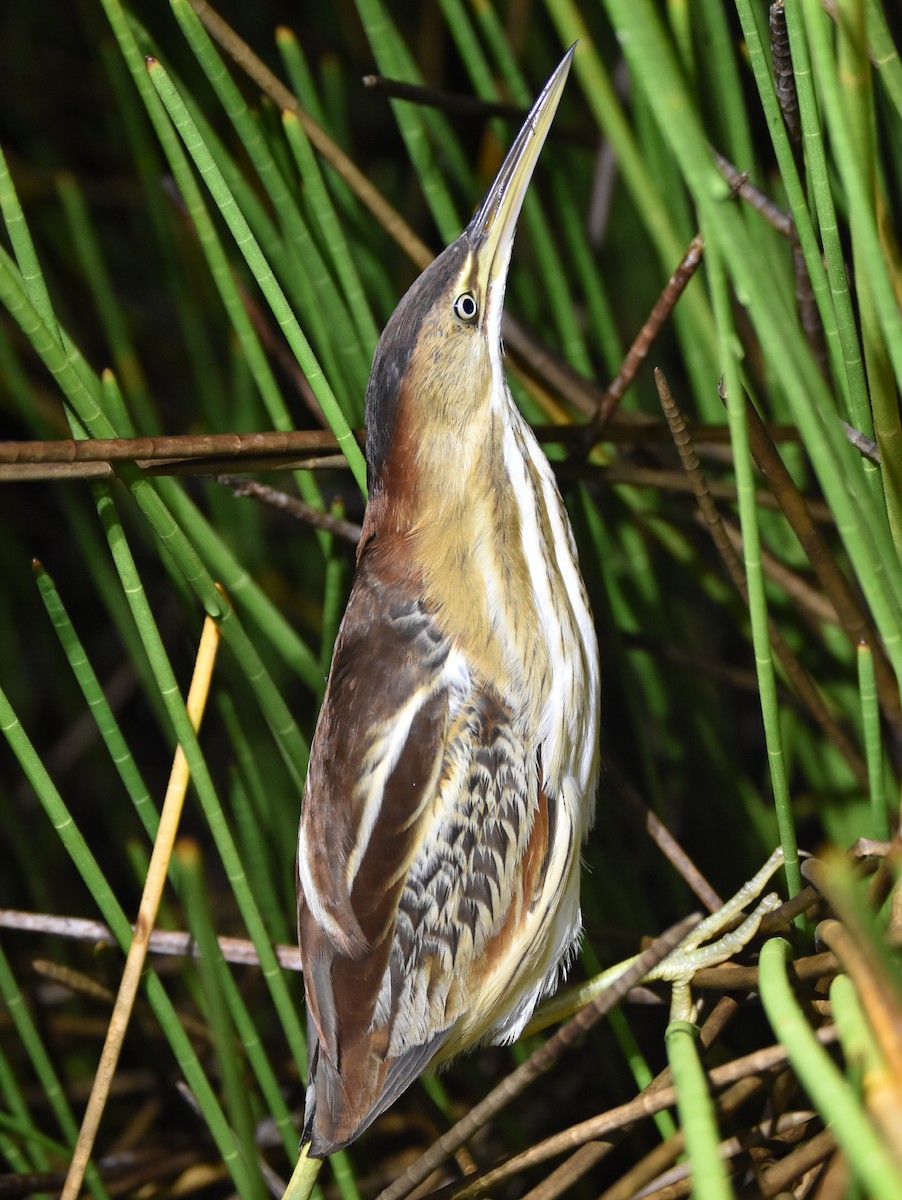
x: 342, y: 1101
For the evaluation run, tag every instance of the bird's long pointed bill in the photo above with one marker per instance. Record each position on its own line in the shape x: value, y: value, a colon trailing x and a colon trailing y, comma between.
x: 492, y: 228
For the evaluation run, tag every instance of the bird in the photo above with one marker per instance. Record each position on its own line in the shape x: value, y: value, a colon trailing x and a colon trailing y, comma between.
x: 453, y: 770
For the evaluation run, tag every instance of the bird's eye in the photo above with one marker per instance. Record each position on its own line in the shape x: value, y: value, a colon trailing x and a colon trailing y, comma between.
x: 465, y: 307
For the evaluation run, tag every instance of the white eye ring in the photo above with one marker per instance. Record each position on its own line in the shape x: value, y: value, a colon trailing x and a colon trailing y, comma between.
x: 465, y: 308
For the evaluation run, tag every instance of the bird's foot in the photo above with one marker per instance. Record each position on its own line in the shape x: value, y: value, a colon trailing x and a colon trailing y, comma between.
x: 693, y: 954
x: 697, y: 951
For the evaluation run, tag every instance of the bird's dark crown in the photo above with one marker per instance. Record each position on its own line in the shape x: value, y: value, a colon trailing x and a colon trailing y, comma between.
x: 436, y: 323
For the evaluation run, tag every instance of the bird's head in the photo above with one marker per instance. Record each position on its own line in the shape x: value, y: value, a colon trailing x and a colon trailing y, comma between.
x: 437, y: 367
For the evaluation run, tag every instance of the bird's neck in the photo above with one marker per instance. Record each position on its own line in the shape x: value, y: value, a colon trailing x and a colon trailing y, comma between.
x: 445, y: 516
x: 435, y: 475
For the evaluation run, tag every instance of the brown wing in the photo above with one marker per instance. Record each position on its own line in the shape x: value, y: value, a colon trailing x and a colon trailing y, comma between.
x: 420, y: 800
x: 369, y: 771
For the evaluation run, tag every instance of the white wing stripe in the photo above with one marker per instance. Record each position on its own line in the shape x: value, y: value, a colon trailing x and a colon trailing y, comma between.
x: 385, y: 751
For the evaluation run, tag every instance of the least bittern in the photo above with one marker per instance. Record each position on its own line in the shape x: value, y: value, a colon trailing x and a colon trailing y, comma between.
x: 453, y: 771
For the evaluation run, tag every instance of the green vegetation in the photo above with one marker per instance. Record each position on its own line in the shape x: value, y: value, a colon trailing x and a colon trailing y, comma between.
x: 200, y: 241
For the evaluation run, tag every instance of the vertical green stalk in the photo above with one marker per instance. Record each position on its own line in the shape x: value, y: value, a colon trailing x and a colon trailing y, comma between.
x: 854, y: 74
x: 334, y: 594
x: 632, y: 1052
x: 862, y: 217
x: 870, y: 719
x: 300, y: 77
x: 697, y: 1120
x: 884, y: 53
x: 751, y: 547
x: 332, y: 232
x: 24, y: 251
x: 11, y: 1092
x: 415, y: 124
x: 257, y: 861
x: 860, y: 1048
x: 833, y: 1095
x: 266, y: 823
x: 41, y: 1062
x: 11, y: 1152
x: 187, y: 857
x: 831, y: 289
x: 724, y: 78
x: 109, y: 308
x: 20, y: 1120
x: 188, y: 309
x: 97, y: 703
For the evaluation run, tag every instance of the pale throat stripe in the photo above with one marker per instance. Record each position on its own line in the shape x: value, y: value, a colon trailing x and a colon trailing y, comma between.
x: 567, y: 625
x: 584, y: 650
x: 524, y: 476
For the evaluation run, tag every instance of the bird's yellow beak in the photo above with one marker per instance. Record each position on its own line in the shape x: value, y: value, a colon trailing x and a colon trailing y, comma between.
x: 491, y: 231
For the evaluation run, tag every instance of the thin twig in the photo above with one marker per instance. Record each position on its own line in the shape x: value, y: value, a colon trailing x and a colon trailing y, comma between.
x: 754, y: 196
x: 82, y: 984
x: 853, y: 618
x: 451, y: 102
x: 784, y: 78
x: 638, y: 428
x: 580, y: 1163
x: 775, y: 216
x: 280, y: 450
x: 179, y: 454
x: 179, y: 944
x: 241, y: 951
x: 677, y: 1180
x: 291, y: 505
x: 127, y: 1172
x: 94, y: 471
x: 274, y: 443
x: 645, y: 338
x: 776, y: 1178
x: 664, y: 839
x: 278, y: 349
x: 866, y: 446
x: 466, y: 105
